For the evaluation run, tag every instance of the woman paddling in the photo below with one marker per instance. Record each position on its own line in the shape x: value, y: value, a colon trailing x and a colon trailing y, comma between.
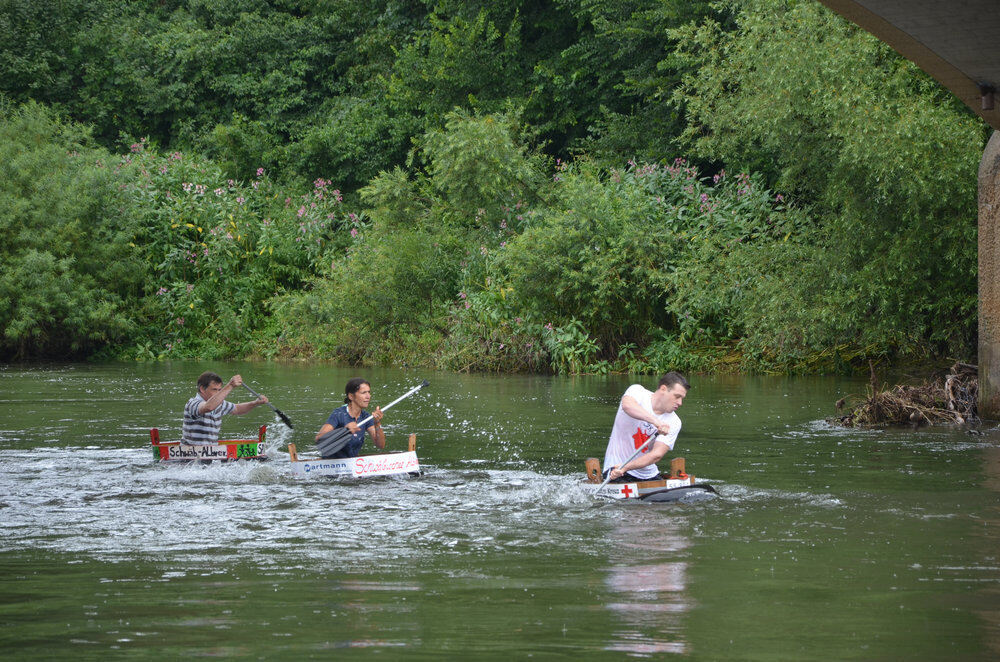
x: 357, y: 395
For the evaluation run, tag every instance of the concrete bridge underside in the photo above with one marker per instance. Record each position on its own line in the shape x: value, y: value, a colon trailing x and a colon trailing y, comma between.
x: 957, y: 43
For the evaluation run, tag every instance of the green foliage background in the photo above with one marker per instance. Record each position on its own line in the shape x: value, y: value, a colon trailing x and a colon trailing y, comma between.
x: 502, y: 185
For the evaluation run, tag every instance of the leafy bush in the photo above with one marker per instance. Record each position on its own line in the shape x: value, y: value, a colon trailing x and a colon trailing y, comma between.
x: 886, y: 160
x: 605, y: 250
x: 487, y: 335
x: 68, y: 270
x: 428, y: 236
x: 217, y: 250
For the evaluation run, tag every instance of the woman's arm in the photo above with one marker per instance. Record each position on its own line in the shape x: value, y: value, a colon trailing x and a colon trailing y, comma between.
x: 378, y: 435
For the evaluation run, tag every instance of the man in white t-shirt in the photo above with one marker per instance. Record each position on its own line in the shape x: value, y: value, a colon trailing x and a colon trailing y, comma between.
x: 203, y: 413
x: 641, y: 414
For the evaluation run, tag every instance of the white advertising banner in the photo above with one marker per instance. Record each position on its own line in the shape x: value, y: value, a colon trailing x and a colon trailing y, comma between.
x: 360, y: 467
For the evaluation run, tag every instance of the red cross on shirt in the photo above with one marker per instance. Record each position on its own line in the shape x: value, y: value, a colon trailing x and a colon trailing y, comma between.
x: 640, y: 438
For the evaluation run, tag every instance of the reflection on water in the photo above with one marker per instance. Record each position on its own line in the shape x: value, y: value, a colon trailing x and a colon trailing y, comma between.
x: 650, y: 591
x: 991, y: 613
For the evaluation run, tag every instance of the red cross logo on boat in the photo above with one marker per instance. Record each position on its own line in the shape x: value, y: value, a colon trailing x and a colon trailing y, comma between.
x: 627, y: 491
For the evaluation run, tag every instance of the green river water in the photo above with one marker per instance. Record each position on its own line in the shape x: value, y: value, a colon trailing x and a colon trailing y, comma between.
x: 825, y: 544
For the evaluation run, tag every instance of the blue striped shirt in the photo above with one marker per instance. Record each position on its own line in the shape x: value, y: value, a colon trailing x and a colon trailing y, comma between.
x: 203, y: 428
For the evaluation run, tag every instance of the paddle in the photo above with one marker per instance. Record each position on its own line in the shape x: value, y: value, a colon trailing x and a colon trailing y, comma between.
x: 277, y: 411
x: 335, y: 439
x: 634, y: 455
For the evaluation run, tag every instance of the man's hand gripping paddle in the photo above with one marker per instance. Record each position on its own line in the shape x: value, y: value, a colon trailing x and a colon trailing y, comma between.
x: 634, y: 455
x: 277, y: 411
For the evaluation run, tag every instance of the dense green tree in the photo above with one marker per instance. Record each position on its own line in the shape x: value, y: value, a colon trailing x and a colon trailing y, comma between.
x: 336, y: 89
x: 825, y: 213
x: 884, y: 158
x: 616, y: 80
x: 40, y: 49
x: 69, y: 271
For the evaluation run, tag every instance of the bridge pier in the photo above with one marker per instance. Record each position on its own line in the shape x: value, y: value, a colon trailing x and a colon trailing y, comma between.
x: 989, y: 280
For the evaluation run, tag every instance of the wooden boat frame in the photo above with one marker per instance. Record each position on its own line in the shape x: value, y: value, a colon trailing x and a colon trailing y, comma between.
x: 640, y: 489
x: 228, y: 450
x: 363, y: 466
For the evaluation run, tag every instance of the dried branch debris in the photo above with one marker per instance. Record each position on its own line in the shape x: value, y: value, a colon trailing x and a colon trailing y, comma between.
x: 951, y: 399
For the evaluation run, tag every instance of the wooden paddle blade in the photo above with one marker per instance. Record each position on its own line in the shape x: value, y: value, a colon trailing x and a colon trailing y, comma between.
x: 333, y: 441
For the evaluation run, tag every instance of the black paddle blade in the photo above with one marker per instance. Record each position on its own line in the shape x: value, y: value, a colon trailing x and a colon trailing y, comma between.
x: 333, y: 441
x: 287, y: 421
x: 284, y: 419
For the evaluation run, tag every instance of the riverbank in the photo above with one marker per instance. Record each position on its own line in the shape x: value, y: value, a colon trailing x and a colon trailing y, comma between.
x: 547, y: 349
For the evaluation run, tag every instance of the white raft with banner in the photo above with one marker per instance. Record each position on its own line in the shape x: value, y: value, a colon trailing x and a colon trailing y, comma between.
x: 228, y: 450
x: 678, y: 486
x: 364, y: 466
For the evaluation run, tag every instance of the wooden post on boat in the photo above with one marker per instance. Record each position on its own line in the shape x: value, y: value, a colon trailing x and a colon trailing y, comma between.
x: 412, y: 445
x: 593, y: 466
x: 677, y: 467
x: 293, y: 456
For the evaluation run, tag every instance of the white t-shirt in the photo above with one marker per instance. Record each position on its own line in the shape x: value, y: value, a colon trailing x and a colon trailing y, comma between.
x: 628, y: 433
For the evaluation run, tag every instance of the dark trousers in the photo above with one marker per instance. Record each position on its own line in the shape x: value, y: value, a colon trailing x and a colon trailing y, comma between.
x: 629, y: 478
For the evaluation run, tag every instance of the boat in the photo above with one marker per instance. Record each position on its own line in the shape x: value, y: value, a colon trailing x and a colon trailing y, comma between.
x: 364, y: 466
x: 677, y: 486
x: 228, y: 450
